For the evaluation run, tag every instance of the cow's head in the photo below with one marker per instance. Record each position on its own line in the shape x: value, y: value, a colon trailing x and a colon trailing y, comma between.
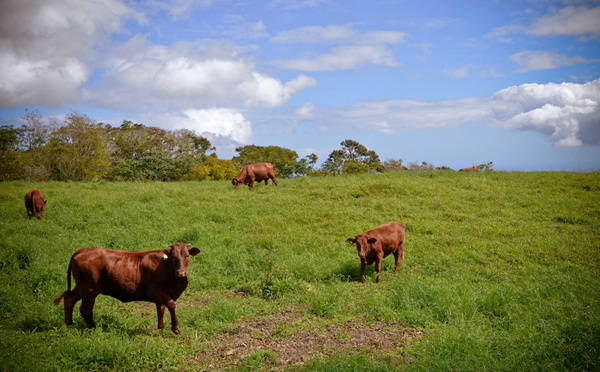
x: 235, y: 182
x: 178, y: 257
x: 363, y: 245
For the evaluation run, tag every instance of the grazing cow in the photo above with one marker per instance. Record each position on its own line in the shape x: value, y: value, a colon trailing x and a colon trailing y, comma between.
x: 374, y: 245
x: 255, y: 173
x: 474, y: 169
x: 154, y: 276
x: 35, y: 204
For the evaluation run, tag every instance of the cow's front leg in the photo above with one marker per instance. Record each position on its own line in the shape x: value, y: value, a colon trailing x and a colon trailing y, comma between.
x: 363, y: 266
x: 378, y: 267
x: 160, y: 311
x: 174, y: 321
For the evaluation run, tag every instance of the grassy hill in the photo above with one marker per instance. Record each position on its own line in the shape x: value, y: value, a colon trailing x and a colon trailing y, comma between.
x: 502, y: 272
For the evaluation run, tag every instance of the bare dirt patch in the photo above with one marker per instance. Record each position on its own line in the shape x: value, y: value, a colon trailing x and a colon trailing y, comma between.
x: 291, y: 337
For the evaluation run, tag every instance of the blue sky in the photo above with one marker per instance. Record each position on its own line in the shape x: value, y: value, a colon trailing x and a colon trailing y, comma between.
x: 454, y: 83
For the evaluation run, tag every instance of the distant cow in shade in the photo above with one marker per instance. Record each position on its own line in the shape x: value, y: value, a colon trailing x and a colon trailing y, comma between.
x: 35, y: 204
x: 155, y: 276
x: 474, y: 169
x: 255, y: 173
x: 374, y: 245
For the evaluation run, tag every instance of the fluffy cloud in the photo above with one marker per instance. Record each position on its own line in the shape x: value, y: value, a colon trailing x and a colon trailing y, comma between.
x: 45, y: 47
x: 568, y: 113
x: 215, y: 122
x: 199, y: 74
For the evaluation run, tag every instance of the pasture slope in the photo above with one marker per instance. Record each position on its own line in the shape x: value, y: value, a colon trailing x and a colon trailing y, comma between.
x: 502, y: 273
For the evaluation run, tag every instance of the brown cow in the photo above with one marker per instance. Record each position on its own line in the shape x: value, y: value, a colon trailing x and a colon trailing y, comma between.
x: 255, y: 173
x: 35, y: 204
x: 474, y: 169
x: 374, y: 245
x: 154, y: 276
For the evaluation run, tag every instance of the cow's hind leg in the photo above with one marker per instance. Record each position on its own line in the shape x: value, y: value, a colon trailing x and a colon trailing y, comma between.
x: 70, y: 301
x: 87, y: 308
x: 160, y: 312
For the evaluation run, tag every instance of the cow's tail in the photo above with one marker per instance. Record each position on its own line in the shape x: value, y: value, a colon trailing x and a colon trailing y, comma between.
x: 68, y: 291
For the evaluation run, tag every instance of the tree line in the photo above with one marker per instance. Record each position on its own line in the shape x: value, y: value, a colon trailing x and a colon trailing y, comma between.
x: 81, y: 149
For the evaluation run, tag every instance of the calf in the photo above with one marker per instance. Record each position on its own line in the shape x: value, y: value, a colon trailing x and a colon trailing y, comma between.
x: 374, y: 245
x: 255, y: 172
x: 35, y: 204
x: 474, y: 169
x: 154, y: 276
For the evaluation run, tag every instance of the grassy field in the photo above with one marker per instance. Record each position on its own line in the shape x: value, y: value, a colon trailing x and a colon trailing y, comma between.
x: 502, y: 273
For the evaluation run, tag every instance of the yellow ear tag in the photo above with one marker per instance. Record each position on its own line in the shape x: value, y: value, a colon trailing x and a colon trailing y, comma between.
x: 165, y: 257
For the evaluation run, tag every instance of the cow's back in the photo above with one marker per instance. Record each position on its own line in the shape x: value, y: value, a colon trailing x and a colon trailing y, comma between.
x: 389, y: 233
x: 111, y: 272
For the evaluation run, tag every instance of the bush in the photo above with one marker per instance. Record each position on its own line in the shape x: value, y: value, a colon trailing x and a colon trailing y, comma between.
x: 212, y: 169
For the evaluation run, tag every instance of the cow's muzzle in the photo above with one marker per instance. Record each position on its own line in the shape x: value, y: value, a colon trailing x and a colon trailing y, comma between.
x: 182, y: 274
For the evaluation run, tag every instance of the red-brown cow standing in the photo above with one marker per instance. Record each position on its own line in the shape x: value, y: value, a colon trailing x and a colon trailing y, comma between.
x: 374, y: 245
x: 155, y: 276
x: 255, y: 173
x: 35, y: 204
x: 474, y: 169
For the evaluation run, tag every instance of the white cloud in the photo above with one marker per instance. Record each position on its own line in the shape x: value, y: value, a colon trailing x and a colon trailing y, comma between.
x: 571, y: 21
x: 531, y: 60
x: 353, y: 48
x: 306, y: 111
x: 220, y: 122
x: 200, y: 74
x: 337, y: 34
x: 343, y: 58
x: 46, y: 47
x: 568, y: 113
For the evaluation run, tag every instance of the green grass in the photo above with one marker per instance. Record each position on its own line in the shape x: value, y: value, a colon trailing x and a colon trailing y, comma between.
x: 502, y: 270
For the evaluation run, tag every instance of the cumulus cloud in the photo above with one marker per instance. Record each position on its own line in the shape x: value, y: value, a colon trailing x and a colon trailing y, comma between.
x: 188, y: 74
x: 568, y: 113
x: 46, y: 47
x: 215, y: 122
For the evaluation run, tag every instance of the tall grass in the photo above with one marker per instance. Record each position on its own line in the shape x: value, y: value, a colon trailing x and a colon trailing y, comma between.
x: 502, y: 270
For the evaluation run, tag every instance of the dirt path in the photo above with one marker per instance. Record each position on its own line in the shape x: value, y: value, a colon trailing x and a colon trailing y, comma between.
x: 291, y: 337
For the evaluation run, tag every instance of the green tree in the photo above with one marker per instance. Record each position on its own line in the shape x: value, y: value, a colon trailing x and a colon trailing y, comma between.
x: 285, y: 161
x: 350, y: 156
x: 10, y: 154
x: 212, y: 169
x: 36, y: 160
x: 392, y: 165
x: 79, y: 149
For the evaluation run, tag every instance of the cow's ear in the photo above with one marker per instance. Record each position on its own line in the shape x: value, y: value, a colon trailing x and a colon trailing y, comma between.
x: 165, y: 254
x: 194, y: 251
x: 351, y: 240
x: 371, y: 240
